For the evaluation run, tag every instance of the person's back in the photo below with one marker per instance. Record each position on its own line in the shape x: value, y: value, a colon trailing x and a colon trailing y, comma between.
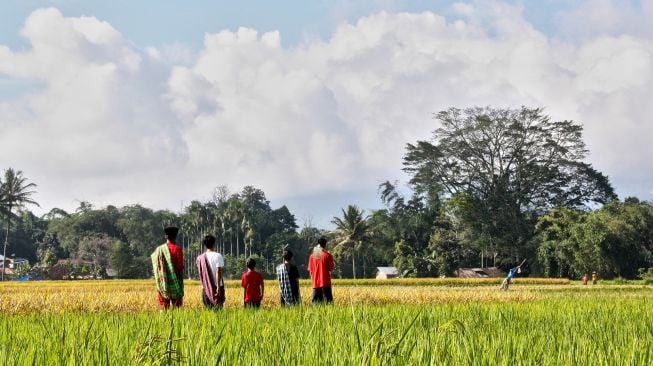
x: 253, y: 285
x: 288, y: 277
x: 210, y: 266
x: 216, y: 260
x: 320, y: 265
x: 168, y: 267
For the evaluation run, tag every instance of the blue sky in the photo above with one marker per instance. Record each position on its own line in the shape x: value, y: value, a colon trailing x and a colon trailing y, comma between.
x: 161, y: 22
x: 312, y: 101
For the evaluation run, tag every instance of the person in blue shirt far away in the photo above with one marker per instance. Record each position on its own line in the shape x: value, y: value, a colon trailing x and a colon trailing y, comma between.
x: 511, y: 274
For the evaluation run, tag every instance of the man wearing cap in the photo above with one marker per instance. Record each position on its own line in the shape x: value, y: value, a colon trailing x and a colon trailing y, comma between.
x: 168, y: 267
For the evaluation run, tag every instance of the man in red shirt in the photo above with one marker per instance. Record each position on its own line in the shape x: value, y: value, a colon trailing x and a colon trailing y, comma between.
x: 252, y: 282
x: 320, y: 265
x: 168, y: 267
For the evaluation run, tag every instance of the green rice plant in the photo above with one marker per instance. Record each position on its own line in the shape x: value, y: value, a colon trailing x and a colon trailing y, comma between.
x: 572, y: 326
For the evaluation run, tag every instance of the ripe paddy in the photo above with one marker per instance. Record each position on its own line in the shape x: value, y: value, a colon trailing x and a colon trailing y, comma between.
x: 418, y: 322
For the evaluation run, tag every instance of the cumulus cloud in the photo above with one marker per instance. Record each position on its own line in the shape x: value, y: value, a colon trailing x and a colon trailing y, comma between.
x: 607, y: 17
x: 99, y: 118
x: 115, y: 123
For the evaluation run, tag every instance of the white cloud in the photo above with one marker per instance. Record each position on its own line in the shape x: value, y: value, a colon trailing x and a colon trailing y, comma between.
x: 607, y: 17
x: 99, y: 118
x: 117, y: 124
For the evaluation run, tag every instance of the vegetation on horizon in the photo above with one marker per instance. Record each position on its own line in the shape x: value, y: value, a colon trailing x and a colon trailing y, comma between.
x: 489, y: 188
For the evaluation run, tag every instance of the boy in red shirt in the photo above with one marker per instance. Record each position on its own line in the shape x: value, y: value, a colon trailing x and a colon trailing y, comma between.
x: 252, y: 282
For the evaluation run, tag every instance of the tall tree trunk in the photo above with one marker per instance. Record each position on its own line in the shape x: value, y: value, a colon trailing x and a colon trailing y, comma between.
x: 4, y: 252
x: 364, y: 266
x: 353, y: 259
x: 238, y: 240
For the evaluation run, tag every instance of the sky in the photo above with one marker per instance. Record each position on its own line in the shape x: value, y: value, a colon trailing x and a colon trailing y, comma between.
x: 159, y: 102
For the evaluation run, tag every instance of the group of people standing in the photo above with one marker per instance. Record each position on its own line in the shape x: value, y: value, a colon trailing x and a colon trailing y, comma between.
x: 168, y: 267
x: 595, y: 278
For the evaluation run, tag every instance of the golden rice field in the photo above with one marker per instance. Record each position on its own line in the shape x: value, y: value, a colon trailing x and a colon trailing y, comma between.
x: 139, y: 295
x: 401, y: 322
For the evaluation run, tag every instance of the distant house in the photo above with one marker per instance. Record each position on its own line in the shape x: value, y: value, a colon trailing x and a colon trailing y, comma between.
x: 8, y: 265
x: 73, y: 269
x: 383, y: 273
x: 5, y: 265
x: 488, y: 272
x: 17, y: 262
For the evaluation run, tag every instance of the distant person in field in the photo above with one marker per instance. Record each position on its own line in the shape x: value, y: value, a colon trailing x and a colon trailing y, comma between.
x: 511, y: 274
x: 595, y: 278
x: 320, y: 265
x: 252, y: 283
x: 210, y: 265
x: 168, y: 268
x: 585, y: 279
x: 288, y: 277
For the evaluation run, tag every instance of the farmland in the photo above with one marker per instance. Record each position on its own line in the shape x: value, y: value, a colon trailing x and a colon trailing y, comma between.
x: 549, y: 322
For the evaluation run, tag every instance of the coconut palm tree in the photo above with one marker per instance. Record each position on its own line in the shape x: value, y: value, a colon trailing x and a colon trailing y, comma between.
x: 14, y: 192
x: 351, y: 230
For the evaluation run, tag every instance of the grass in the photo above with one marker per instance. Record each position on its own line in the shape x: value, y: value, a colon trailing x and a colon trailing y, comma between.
x: 384, y: 325
x: 548, y: 333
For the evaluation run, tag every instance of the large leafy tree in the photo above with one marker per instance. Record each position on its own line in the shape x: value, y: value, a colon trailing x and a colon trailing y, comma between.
x: 141, y: 229
x: 615, y: 240
x: 16, y: 192
x: 504, y: 168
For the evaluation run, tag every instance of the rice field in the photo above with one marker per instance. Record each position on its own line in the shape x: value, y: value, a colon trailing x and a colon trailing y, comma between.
x: 401, y: 323
x: 139, y: 295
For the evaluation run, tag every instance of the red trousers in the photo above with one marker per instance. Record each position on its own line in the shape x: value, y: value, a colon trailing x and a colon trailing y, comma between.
x: 165, y: 303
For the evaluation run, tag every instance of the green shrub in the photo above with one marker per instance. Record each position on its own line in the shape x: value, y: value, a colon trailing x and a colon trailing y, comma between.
x: 620, y: 281
x: 646, y: 275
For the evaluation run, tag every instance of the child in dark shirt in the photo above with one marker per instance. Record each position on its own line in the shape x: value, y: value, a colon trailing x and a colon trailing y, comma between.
x: 252, y: 283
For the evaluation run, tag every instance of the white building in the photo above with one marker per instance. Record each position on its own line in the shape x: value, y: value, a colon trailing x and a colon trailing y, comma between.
x: 383, y: 273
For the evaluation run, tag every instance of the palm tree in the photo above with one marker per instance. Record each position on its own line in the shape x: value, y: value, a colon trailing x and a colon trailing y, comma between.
x: 351, y: 229
x: 14, y: 192
x: 235, y: 211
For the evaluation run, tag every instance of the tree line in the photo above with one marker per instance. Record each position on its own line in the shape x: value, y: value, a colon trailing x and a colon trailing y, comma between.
x: 490, y: 187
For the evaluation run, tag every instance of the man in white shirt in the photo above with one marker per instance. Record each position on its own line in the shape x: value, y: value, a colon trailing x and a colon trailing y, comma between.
x: 210, y: 265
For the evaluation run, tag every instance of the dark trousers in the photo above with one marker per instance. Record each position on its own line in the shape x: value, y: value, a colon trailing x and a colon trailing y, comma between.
x: 293, y: 303
x: 322, y: 295
x: 221, y: 298
x: 253, y: 304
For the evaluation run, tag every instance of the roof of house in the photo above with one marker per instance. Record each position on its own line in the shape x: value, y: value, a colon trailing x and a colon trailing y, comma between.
x: 13, y: 260
x: 479, y: 272
x: 76, y: 262
x: 388, y: 270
